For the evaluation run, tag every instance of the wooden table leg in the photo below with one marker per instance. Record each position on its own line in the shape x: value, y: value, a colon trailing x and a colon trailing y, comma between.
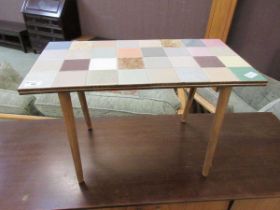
x: 216, y: 127
x: 84, y: 106
x: 188, y: 104
x: 67, y: 109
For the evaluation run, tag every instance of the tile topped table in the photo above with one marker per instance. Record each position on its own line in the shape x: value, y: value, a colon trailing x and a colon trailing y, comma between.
x: 79, y: 66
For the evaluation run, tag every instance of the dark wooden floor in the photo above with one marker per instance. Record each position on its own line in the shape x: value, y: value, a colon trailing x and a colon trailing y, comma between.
x: 138, y: 160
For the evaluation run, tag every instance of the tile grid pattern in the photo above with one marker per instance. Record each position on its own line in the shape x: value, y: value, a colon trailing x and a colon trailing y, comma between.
x: 126, y: 62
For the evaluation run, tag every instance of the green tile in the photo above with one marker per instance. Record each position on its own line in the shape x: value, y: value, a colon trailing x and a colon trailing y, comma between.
x: 247, y: 74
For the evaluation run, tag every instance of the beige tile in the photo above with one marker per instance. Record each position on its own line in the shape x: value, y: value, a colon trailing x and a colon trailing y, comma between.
x: 130, y: 63
x: 149, y: 43
x: 46, y: 65
x: 187, y: 61
x: 108, y: 77
x: 220, y: 75
x: 171, y: 43
x: 233, y: 61
x: 81, y: 45
x: 162, y: 76
x: 104, y: 44
x: 70, y: 79
x: 79, y: 54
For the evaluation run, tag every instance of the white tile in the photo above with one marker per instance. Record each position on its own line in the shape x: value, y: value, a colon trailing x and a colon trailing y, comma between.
x: 42, y: 79
x: 103, y: 64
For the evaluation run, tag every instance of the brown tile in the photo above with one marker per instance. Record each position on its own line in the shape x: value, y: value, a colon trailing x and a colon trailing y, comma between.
x: 130, y: 63
x: 171, y: 43
x: 74, y: 65
x: 209, y: 61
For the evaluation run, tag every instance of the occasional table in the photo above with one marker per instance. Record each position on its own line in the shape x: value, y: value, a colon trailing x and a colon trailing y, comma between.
x: 79, y: 66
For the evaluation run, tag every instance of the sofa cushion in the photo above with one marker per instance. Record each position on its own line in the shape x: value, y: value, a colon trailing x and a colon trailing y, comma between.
x: 116, y: 103
x: 258, y: 97
x: 273, y: 107
x: 9, y: 78
x: 236, y: 104
x: 12, y: 103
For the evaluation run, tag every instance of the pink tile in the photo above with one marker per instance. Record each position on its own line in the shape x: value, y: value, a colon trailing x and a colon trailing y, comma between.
x: 199, y: 51
x: 214, y: 43
x: 129, y: 53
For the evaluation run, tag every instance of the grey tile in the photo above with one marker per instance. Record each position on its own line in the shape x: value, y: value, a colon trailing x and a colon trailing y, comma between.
x: 153, y: 52
x: 157, y: 62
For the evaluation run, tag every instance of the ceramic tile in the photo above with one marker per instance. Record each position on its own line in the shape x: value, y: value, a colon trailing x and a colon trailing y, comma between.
x: 103, y: 44
x: 75, y: 65
x: 214, y: 43
x: 220, y: 75
x: 153, y: 52
x: 41, y: 79
x: 58, y: 45
x: 222, y: 51
x: 183, y: 62
x: 130, y: 63
x: 81, y: 45
x: 108, y: 77
x: 129, y: 53
x: 137, y: 76
x: 233, y: 61
x: 171, y: 43
x: 209, y: 61
x: 191, y: 74
x: 127, y: 44
x: 247, y: 74
x: 162, y: 76
x: 193, y: 43
x: 46, y: 65
x: 104, y: 52
x: 103, y: 64
x: 66, y: 64
x: 79, y: 54
x: 53, y: 54
x: 149, y: 43
x: 199, y: 51
x: 174, y: 52
x: 157, y: 62
x: 70, y: 79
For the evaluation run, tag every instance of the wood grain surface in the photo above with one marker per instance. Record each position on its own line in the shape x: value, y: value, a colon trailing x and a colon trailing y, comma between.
x: 133, y: 161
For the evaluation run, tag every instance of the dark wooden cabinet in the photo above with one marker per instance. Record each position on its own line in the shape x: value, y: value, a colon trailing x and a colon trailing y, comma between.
x: 50, y: 20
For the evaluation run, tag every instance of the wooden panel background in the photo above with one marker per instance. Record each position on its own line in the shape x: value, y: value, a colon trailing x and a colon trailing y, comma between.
x: 214, y: 205
x: 257, y: 204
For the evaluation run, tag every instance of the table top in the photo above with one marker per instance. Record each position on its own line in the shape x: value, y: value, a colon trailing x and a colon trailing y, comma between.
x: 36, y: 162
x: 138, y: 64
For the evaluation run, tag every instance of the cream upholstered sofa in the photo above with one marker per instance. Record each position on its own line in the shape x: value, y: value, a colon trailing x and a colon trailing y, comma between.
x: 115, y: 103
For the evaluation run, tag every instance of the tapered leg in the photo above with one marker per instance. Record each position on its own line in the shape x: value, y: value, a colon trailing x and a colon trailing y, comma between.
x: 84, y: 106
x: 67, y: 109
x: 188, y: 104
x: 216, y: 127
